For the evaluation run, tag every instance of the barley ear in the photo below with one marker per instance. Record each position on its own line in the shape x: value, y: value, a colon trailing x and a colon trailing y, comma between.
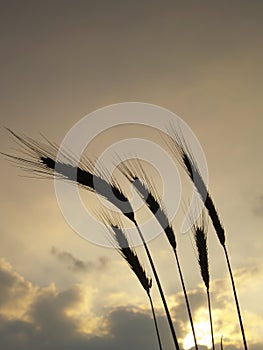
x: 41, y: 160
x: 200, y: 234
x: 184, y: 155
x: 122, y: 245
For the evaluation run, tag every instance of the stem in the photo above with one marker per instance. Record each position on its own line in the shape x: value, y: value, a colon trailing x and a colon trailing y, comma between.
x: 221, y: 343
x: 210, y: 317
x: 186, y: 297
x: 236, y: 299
x: 155, y: 322
x: 169, y: 319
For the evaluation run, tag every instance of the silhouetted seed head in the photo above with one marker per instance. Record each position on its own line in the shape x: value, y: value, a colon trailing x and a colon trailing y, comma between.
x: 200, y: 234
x: 145, y: 188
x: 215, y: 220
x: 129, y: 254
x: 41, y: 160
x: 185, y: 157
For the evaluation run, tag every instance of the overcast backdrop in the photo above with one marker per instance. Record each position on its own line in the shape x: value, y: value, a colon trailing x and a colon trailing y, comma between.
x: 61, y: 60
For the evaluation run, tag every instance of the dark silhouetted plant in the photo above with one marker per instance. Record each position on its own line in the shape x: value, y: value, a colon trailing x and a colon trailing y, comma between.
x: 129, y: 254
x: 40, y: 159
x: 183, y: 153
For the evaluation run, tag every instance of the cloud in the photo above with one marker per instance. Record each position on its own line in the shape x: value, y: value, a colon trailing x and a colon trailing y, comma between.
x: 74, y: 264
x: 53, y: 319
x: 225, y: 319
x: 48, y: 319
x: 15, y: 292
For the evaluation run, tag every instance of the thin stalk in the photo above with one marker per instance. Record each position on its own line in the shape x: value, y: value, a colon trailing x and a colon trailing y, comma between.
x: 236, y: 298
x: 200, y: 234
x: 210, y: 318
x: 169, y: 319
x: 221, y: 343
x: 155, y: 322
x: 186, y: 298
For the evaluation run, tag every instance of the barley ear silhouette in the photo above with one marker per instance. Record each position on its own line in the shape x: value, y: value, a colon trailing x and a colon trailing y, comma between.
x: 40, y: 159
x: 184, y: 155
x: 200, y: 235
x: 121, y: 243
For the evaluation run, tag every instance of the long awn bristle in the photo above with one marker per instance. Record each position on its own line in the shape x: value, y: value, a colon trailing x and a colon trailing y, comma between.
x: 129, y: 254
x: 145, y: 188
x: 185, y: 157
x: 41, y: 159
x: 200, y: 234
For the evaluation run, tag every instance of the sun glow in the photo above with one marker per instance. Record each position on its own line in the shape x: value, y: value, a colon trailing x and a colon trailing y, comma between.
x: 203, y: 335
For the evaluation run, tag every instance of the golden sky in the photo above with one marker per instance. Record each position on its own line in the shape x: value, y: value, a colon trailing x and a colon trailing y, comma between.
x: 61, y: 60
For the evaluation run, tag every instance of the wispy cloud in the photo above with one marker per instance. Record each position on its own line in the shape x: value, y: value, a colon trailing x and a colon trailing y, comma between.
x: 77, y: 265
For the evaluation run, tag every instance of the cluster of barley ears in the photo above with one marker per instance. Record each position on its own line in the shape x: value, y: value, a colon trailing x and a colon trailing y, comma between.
x: 41, y: 160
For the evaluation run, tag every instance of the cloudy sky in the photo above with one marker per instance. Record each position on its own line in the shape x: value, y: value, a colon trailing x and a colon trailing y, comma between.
x: 61, y: 60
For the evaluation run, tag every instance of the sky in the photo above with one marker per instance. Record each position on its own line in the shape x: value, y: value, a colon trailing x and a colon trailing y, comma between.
x: 61, y: 60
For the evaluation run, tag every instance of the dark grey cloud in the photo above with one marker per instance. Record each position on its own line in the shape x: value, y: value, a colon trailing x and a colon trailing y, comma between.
x: 74, y: 264
x: 48, y: 326
x: 129, y: 330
